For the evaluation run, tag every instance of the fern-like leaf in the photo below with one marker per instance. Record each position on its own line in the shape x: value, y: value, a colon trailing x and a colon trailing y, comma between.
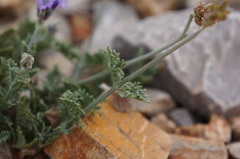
x: 20, y: 138
x: 4, y: 136
x: 133, y: 90
x: 116, y: 66
x: 73, y: 101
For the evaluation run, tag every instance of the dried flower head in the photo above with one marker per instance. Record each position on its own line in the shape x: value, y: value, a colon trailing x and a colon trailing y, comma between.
x: 27, y: 61
x: 211, y: 13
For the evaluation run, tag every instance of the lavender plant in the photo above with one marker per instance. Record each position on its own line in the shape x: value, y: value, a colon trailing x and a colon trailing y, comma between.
x: 33, y: 117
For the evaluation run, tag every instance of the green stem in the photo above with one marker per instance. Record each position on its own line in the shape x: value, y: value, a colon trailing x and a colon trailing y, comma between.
x: 141, y: 70
x: 143, y: 57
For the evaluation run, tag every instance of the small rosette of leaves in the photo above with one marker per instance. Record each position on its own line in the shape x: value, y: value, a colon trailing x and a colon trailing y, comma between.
x: 134, y: 90
x: 116, y: 65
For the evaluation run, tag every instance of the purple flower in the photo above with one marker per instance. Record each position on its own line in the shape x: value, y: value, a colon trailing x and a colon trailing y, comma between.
x: 50, y: 4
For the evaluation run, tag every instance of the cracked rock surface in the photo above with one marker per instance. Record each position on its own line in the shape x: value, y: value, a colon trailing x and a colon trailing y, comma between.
x: 202, y: 75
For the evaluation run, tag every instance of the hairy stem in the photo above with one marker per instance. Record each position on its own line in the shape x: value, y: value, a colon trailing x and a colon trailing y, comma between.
x: 146, y: 56
x: 33, y: 38
x: 141, y: 70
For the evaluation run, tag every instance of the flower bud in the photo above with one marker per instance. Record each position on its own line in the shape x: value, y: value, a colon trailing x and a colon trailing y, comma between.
x: 27, y: 61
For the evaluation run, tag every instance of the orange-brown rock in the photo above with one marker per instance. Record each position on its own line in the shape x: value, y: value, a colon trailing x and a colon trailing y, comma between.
x: 153, y: 7
x: 193, y: 130
x: 218, y: 129
x: 194, y: 148
x: 113, y: 135
x: 81, y: 26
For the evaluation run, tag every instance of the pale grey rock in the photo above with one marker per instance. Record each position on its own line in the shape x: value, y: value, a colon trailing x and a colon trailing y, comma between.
x: 116, y: 18
x: 202, y: 75
x: 233, y: 150
x: 181, y: 117
x: 160, y: 102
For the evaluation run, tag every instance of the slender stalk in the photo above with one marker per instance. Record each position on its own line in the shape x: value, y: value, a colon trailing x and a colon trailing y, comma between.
x: 143, y: 57
x: 34, y: 35
x: 141, y: 70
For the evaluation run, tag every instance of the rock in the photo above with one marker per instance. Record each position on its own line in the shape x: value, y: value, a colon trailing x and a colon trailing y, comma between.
x: 116, y: 18
x: 120, y: 104
x: 81, y: 26
x: 235, y: 125
x: 113, y: 135
x: 181, y: 116
x: 49, y: 59
x: 218, y: 129
x: 233, y: 149
x: 193, y: 148
x: 5, y: 152
x: 193, y: 130
x: 153, y: 7
x: 160, y: 102
x: 200, y: 75
x: 164, y: 123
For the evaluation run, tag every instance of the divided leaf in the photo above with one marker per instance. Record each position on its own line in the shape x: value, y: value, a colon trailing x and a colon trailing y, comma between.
x: 116, y: 66
x: 4, y: 136
x: 133, y: 90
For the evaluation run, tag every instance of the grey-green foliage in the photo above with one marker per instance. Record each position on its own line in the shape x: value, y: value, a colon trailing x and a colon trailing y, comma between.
x: 133, y: 90
x: 24, y: 122
x: 129, y: 89
x: 116, y: 65
x: 75, y: 103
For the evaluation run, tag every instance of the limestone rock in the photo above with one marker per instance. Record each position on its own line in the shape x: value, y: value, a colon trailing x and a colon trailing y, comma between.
x: 181, y: 116
x: 233, y: 149
x: 159, y: 102
x: 164, y: 123
x: 201, y: 75
x: 194, y: 148
x: 116, y: 18
x: 113, y: 135
x: 153, y: 7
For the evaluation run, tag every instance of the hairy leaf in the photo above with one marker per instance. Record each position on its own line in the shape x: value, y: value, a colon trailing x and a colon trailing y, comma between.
x: 4, y: 136
x: 116, y: 66
x: 133, y: 90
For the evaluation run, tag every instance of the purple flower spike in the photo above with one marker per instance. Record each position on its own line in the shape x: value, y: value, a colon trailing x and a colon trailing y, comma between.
x: 50, y: 4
